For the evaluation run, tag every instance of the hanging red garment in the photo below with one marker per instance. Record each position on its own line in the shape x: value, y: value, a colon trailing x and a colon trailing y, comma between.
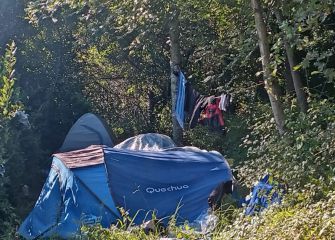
x: 213, y: 113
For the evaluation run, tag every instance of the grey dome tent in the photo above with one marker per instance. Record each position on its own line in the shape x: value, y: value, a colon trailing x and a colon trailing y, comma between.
x: 88, y: 130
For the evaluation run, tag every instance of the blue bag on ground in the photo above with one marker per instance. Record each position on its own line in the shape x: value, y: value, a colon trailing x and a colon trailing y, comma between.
x: 264, y: 193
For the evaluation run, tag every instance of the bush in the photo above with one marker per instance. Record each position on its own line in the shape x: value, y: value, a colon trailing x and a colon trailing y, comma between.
x: 304, y: 157
x: 314, y: 221
x: 227, y: 142
x: 8, y: 219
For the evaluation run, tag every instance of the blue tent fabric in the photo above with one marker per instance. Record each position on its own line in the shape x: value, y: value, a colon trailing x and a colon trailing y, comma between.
x: 44, y: 215
x: 180, y: 102
x: 264, y: 193
x: 69, y: 199
x: 143, y: 182
x: 83, y: 188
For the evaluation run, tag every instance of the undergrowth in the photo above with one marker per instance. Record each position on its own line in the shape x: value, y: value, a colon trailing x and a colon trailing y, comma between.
x: 300, y: 221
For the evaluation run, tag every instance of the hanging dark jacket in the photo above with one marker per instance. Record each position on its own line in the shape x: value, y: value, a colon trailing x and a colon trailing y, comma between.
x: 191, y: 97
x: 200, y: 105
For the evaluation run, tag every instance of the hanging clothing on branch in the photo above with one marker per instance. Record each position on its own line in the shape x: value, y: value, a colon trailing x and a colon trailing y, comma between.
x: 200, y: 105
x: 225, y: 101
x: 206, y: 110
x: 180, y: 103
x: 191, y: 97
x: 213, y: 114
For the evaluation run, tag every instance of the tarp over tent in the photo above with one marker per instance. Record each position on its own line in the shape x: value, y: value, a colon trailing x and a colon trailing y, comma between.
x: 147, y: 142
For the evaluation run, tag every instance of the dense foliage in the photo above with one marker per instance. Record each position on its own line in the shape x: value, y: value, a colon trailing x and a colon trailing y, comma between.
x: 113, y: 58
x: 8, y: 106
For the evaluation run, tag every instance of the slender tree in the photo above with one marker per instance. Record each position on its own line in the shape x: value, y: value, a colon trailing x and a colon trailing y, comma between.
x: 175, y: 66
x: 287, y: 75
x: 271, y: 84
x: 297, y: 82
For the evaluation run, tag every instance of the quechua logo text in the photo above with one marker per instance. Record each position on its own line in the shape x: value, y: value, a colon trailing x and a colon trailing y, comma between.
x: 171, y: 188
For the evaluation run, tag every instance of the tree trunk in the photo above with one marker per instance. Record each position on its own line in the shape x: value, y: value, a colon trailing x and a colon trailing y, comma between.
x: 271, y: 84
x: 175, y: 62
x: 151, y: 109
x: 298, y: 86
x: 289, y: 81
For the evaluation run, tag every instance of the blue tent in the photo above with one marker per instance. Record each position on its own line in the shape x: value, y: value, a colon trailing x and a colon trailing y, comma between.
x: 86, y: 186
x: 75, y: 193
x: 76, y: 190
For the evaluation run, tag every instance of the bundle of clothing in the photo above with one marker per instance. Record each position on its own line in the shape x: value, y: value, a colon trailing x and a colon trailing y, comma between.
x: 200, y: 109
x: 263, y: 194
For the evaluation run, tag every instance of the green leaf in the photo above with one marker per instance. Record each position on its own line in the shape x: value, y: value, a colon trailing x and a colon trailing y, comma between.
x: 274, y: 72
x: 297, y: 67
x: 315, y: 72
